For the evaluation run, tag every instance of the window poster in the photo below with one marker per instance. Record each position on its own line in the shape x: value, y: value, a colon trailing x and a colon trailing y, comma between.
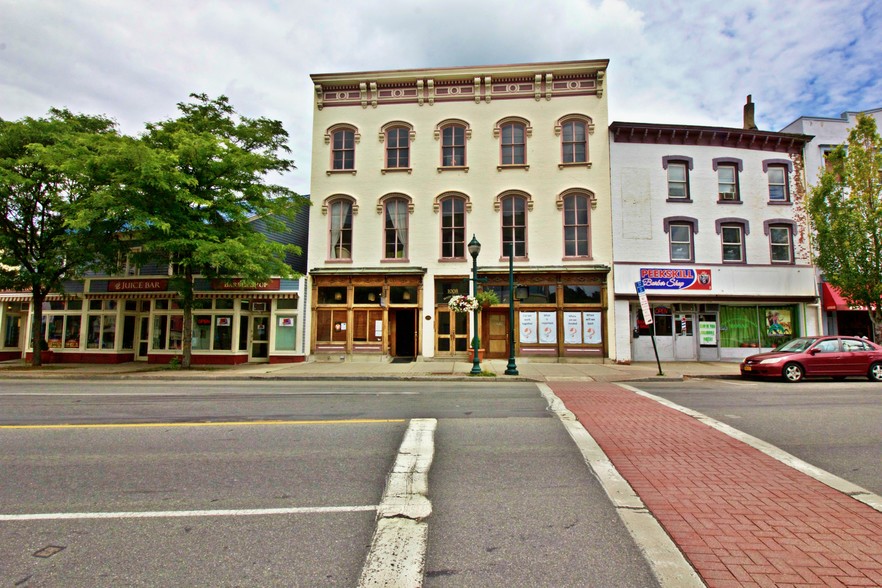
x: 528, y: 327
x: 223, y: 321
x: 707, y: 332
x: 591, y: 326
x: 573, y: 328
x: 548, y: 327
x: 286, y: 321
x: 378, y: 329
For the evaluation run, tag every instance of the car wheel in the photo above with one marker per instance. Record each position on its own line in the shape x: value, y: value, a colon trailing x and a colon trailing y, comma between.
x: 793, y: 372
x: 875, y: 373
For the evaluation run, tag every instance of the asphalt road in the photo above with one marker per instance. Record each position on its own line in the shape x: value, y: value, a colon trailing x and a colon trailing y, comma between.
x: 836, y: 426
x: 513, y: 501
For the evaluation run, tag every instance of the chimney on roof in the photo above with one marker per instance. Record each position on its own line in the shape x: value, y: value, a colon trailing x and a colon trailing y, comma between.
x: 749, y: 122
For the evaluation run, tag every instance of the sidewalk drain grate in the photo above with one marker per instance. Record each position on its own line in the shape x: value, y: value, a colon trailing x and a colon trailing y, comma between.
x: 48, y: 551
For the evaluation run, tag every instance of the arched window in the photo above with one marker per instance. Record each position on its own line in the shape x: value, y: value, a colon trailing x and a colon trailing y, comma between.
x: 574, y: 141
x: 342, y: 139
x: 395, y: 227
x: 453, y: 146
x: 577, y: 225
x: 397, y: 136
x: 514, y: 225
x: 340, y: 229
x: 453, y: 227
x: 343, y: 149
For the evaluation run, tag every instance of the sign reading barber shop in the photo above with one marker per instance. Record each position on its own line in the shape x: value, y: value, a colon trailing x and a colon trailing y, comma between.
x: 672, y: 278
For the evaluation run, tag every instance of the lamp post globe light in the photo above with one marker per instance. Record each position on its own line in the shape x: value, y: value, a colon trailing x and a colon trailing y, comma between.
x: 474, y: 250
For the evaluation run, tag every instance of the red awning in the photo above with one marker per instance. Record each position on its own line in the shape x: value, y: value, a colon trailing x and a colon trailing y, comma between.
x: 833, y: 299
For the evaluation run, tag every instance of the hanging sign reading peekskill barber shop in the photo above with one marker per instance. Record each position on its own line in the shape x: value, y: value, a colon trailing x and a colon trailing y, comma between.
x: 673, y: 278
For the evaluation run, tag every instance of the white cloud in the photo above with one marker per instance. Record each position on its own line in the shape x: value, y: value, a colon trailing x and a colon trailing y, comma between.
x: 674, y: 62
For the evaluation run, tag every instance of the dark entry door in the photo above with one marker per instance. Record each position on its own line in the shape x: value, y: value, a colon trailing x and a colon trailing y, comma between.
x: 405, y: 333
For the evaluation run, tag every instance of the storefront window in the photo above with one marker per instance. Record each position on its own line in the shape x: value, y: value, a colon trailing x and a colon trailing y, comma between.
x: 11, y: 330
x: 224, y: 304
x: 403, y: 294
x: 332, y: 295
x: 201, y: 332
x: 581, y: 294
x: 101, y: 331
x: 662, y: 321
x: 223, y: 333
x: 286, y: 332
x: 160, y: 330
x: 752, y: 326
x: 367, y: 294
x: 539, y: 294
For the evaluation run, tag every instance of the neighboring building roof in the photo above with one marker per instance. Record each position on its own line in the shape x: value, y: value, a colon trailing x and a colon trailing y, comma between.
x: 627, y: 132
x: 845, y: 117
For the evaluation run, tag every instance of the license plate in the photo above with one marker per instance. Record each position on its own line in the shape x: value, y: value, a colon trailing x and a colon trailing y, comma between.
x: 747, y: 368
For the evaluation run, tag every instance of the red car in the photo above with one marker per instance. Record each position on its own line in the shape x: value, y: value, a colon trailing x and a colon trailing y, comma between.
x: 832, y: 356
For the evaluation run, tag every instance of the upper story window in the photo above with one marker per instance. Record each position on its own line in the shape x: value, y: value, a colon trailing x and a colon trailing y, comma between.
x: 727, y: 169
x: 342, y: 139
x: 732, y: 232
x: 681, y: 232
x: 577, y: 225
x: 573, y: 131
x: 780, y: 232
x: 512, y: 133
x: 397, y: 136
x: 453, y: 146
x: 343, y: 149
x: 453, y: 227
x: 574, y: 142
x: 678, y: 167
x: 395, y: 227
x: 781, y: 244
x: 514, y: 144
x: 777, y: 171
x: 514, y: 225
x: 340, y: 211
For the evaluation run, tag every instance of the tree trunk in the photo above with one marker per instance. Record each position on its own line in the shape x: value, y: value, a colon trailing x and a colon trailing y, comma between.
x: 37, y: 298
x: 876, y: 320
x: 187, y: 333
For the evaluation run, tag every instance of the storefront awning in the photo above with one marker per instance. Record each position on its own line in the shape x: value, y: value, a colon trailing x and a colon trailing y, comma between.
x: 833, y: 299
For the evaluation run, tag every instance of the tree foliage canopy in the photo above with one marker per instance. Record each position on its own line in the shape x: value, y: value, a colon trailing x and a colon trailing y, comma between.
x: 52, y: 169
x: 194, y: 198
x: 846, y: 211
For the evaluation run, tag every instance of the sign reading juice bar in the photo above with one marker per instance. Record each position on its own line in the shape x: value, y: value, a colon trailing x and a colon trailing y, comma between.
x: 672, y: 278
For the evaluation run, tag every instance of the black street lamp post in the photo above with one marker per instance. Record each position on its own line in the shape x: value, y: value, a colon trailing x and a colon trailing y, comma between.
x: 474, y: 250
x: 512, y: 368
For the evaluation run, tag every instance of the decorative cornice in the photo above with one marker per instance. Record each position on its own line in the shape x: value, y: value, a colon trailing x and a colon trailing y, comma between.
x: 427, y: 86
x: 657, y: 134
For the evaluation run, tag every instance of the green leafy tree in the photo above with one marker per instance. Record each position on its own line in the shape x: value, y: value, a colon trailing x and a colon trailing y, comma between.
x: 52, y: 170
x: 846, y: 211
x: 195, y: 206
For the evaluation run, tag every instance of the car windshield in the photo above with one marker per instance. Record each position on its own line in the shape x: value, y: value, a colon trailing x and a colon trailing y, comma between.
x: 795, y: 345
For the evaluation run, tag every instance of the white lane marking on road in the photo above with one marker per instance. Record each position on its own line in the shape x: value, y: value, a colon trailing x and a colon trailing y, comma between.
x: 397, y: 556
x: 183, y: 513
x: 664, y: 557
x: 857, y: 492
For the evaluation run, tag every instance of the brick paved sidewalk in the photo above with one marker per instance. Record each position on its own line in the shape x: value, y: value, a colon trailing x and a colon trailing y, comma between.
x: 741, y: 517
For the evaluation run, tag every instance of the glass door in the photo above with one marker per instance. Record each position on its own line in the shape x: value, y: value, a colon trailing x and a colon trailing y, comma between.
x: 142, y: 340
x: 452, y: 335
x: 259, y: 338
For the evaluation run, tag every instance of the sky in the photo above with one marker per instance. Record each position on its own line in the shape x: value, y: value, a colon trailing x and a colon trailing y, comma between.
x: 681, y: 62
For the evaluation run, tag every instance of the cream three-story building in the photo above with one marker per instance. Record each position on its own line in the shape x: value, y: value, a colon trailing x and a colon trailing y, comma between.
x: 408, y: 166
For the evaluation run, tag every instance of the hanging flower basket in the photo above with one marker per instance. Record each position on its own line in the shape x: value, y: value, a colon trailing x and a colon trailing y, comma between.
x: 463, y: 303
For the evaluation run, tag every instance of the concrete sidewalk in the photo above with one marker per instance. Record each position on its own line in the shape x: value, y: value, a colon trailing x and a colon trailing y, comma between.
x: 494, y: 369
x: 740, y: 516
